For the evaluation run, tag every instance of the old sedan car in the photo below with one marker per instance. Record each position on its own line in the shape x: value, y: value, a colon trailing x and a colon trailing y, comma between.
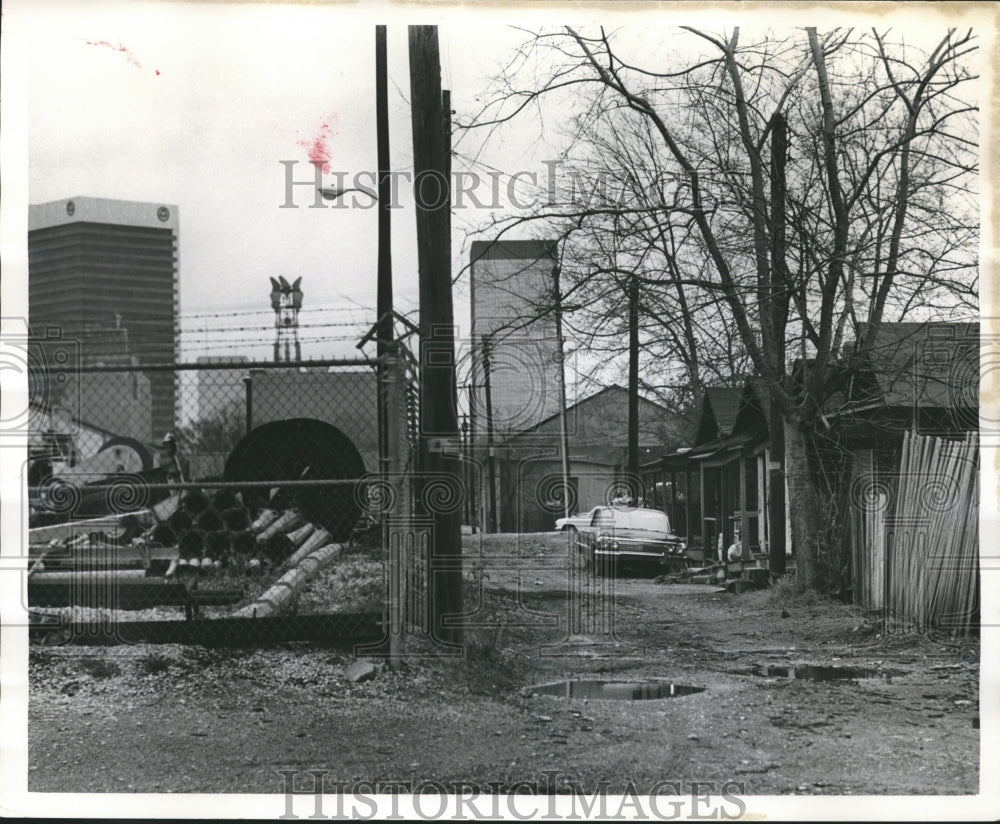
x: 574, y: 522
x: 630, y: 537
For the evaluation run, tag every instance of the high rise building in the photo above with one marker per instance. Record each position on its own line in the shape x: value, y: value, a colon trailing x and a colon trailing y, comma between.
x: 514, y: 344
x: 96, y: 264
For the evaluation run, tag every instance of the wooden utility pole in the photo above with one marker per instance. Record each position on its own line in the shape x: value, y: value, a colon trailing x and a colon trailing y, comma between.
x: 383, y: 329
x: 563, y: 429
x: 446, y: 136
x: 633, y: 380
x: 438, y: 414
x: 777, y: 316
x: 491, y: 472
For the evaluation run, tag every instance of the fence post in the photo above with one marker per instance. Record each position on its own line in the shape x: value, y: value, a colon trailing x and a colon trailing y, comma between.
x: 394, y: 519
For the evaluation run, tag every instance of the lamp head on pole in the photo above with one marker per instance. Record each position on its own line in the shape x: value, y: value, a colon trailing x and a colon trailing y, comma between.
x: 332, y: 193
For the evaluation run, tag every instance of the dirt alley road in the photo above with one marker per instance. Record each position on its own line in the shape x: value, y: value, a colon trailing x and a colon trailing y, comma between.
x: 188, y: 719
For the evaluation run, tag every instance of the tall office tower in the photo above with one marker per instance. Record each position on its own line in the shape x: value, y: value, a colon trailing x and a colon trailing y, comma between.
x: 97, y: 264
x: 515, y: 366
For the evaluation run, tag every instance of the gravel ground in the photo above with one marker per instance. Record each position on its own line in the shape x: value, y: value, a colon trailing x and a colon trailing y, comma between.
x: 190, y: 719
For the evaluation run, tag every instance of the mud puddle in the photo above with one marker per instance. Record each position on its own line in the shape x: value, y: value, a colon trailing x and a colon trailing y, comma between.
x: 613, y: 690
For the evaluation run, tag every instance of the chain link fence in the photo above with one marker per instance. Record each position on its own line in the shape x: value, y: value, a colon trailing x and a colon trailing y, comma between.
x: 261, y: 516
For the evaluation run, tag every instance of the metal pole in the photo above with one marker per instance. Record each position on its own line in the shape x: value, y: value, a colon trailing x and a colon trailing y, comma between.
x: 277, y: 336
x: 248, y: 392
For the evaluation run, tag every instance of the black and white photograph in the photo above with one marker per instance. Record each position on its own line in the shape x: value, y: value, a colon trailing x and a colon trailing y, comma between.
x: 482, y: 413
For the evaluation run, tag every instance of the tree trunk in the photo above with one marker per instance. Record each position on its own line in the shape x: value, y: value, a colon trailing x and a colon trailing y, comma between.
x: 803, y: 504
x: 776, y: 491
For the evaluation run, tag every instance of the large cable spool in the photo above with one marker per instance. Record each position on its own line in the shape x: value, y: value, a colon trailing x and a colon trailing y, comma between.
x: 129, y: 454
x: 300, y: 449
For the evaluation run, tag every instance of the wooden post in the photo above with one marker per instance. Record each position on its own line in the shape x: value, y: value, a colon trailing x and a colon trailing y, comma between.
x: 394, y: 537
x: 744, y: 515
x: 438, y: 415
x: 776, y: 483
x: 563, y: 430
x: 490, y: 458
x: 633, y: 379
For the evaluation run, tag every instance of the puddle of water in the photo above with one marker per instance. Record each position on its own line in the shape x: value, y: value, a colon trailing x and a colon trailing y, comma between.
x: 614, y: 690
x: 811, y: 672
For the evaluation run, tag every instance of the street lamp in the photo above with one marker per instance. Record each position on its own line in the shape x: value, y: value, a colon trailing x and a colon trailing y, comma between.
x: 383, y: 313
x: 333, y: 194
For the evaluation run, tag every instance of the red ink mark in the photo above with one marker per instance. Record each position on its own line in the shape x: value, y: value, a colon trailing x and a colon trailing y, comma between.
x: 317, y: 146
x: 157, y: 72
x: 121, y: 47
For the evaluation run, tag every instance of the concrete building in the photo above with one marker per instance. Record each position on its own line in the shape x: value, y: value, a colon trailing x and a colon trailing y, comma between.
x: 98, y: 264
x: 222, y: 388
x: 513, y: 333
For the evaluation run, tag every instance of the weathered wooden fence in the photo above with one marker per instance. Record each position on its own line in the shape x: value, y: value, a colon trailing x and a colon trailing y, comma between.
x: 915, y: 534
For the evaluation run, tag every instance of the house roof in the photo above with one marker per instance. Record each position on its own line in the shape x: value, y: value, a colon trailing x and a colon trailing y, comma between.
x: 755, y: 407
x: 761, y: 394
x: 645, y: 423
x: 719, y: 407
x: 725, y: 404
x: 926, y: 365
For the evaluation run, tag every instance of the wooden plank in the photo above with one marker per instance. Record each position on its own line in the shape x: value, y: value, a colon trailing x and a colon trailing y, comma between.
x: 255, y: 632
x: 69, y: 529
x: 58, y: 589
x: 100, y: 557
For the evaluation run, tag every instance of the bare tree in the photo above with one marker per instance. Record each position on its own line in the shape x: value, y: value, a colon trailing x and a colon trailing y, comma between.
x: 800, y: 185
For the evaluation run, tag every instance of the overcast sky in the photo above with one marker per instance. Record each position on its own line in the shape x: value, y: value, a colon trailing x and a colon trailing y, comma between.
x: 198, y: 104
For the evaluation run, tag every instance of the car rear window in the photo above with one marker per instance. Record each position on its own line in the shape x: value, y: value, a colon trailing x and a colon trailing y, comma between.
x: 603, y: 517
x: 647, y: 519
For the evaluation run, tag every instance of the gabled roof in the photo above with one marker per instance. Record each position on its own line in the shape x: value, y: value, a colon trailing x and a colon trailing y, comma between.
x: 919, y: 365
x: 755, y: 407
x: 719, y: 407
x: 647, y: 409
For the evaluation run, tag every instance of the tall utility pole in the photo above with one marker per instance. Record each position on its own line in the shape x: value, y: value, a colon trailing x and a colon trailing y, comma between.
x: 777, y: 318
x: 383, y: 331
x: 438, y: 414
x: 563, y: 429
